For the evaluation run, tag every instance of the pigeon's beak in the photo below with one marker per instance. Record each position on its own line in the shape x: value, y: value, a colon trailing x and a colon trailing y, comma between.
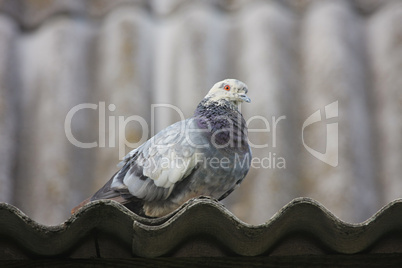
x: 244, y: 97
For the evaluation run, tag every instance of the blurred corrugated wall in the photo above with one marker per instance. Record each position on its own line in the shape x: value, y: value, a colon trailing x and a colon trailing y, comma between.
x: 119, y: 57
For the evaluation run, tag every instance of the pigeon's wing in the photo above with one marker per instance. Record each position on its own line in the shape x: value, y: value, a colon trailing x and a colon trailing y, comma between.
x: 151, y: 171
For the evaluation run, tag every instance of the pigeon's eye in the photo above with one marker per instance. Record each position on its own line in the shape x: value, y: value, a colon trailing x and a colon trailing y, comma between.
x: 227, y: 87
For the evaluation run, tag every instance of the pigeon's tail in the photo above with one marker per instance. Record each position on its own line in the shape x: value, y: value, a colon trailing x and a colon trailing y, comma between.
x: 83, y: 203
x: 135, y: 205
x: 107, y: 193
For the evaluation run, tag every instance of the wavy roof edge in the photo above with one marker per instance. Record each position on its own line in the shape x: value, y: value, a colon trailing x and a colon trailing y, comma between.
x: 202, y: 217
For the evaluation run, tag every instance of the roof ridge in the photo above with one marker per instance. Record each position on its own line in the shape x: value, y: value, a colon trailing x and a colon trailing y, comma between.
x: 202, y: 216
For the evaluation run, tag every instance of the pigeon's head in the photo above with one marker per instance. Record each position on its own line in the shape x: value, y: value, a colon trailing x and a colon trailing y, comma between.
x: 229, y: 89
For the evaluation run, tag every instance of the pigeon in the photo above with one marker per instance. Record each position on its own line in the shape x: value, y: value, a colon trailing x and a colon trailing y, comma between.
x: 205, y: 155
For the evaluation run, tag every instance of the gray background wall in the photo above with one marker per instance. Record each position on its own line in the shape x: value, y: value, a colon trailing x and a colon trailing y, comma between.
x: 296, y: 57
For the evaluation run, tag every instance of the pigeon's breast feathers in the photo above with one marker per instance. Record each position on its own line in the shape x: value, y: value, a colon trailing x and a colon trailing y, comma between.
x: 218, y: 113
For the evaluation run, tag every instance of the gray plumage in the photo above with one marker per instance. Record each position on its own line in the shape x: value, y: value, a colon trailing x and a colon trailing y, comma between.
x: 207, y: 154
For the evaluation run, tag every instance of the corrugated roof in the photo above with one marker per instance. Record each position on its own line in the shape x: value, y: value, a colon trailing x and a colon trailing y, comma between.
x: 201, y: 227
